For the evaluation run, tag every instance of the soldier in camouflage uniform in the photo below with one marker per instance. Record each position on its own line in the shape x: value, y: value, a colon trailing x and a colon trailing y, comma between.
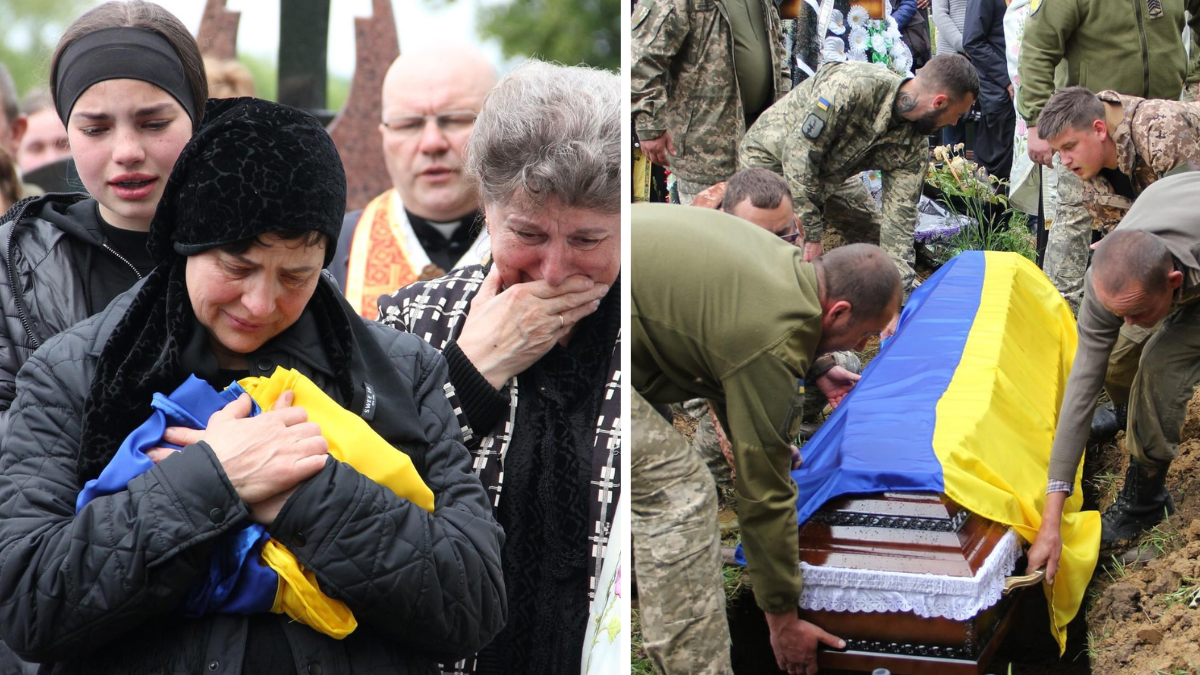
x: 677, y: 550
x: 1117, y: 146
x: 1134, y: 48
x: 695, y: 89
x: 851, y: 117
x: 741, y: 326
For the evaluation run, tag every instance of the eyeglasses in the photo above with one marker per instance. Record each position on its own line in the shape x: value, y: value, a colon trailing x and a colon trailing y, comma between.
x: 448, y: 122
x: 795, y: 234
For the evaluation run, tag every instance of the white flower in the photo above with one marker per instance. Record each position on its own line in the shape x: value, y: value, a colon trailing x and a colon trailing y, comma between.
x: 858, y: 56
x: 857, y: 16
x: 902, y: 62
x: 837, y: 24
x: 878, y: 44
x: 893, y: 31
x: 835, y: 49
x: 859, y: 40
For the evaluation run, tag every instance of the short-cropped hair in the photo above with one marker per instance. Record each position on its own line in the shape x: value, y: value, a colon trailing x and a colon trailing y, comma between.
x: 1070, y: 108
x: 864, y: 276
x: 1128, y: 257
x: 550, y: 132
x: 950, y: 74
x: 765, y: 189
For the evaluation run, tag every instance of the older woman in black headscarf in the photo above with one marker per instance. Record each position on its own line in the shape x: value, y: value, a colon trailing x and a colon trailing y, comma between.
x: 246, y: 223
x: 532, y: 339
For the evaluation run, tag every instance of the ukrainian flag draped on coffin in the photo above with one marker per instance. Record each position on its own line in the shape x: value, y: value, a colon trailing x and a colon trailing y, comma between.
x: 964, y: 400
x: 249, y: 572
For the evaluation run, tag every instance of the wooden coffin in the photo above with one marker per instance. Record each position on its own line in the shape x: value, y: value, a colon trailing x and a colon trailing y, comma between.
x: 916, y: 533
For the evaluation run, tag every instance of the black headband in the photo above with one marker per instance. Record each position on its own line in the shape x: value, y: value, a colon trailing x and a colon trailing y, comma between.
x: 121, y: 53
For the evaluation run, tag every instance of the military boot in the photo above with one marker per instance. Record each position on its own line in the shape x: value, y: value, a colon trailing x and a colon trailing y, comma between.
x: 1106, y: 422
x: 1142, y: 503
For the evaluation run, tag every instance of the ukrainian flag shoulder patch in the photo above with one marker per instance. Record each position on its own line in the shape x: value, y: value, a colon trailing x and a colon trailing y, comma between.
x: 822, y: 104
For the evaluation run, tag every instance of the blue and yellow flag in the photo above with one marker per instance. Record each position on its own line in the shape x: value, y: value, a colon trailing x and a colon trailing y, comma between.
x: 249, y: 572
x: 964, y: 400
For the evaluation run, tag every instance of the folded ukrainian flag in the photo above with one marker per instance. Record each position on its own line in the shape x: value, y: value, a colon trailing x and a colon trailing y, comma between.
x: 964, y: 400
x: 250, y: 572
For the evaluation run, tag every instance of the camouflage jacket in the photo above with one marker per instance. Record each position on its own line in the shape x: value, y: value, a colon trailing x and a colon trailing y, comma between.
x: 1153, y: 138
x: 682, y: 80
x: 835, y: 124
x: 1132, y: 46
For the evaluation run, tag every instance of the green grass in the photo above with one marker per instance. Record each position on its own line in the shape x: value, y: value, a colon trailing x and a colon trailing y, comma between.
x: 1118, y: 570
x: 1107, y: 485
x: 1162, y: 538
x: 639, y: 663
x: 735, y: 580
x: 1012, y: 235
x: 1188, y: 592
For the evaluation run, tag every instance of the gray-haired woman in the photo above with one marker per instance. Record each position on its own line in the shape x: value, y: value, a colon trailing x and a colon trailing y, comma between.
x: 532, y: 339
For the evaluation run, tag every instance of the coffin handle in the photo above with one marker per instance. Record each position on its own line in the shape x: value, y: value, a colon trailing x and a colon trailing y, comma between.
x: 1015, y: 582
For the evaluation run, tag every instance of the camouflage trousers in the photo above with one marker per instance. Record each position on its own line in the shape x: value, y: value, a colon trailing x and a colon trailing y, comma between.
x: 687, y: 190
x: 676, y: 550
x: 850, y: 213
x: 1070, y: 238
x: 1167, y: 374
x: 853, y: 217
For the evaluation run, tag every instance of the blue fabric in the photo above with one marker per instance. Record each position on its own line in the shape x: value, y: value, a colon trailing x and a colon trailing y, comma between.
x: 237, y: 582
x: 903, y: 12
x: 880, y: 438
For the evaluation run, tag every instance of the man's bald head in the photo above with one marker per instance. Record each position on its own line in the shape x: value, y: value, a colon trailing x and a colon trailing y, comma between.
x: 860, y: 292
x: 1134, y: 276
x: 424, y: 158
x: 1131, y: 257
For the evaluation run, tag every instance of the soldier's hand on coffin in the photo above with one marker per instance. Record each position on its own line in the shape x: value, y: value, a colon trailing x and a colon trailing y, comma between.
x: 812, y: 249
x: 1047, y: 547
x: 795, y: 643
x: 507, y: 330
x: 658, y: 150
x: 836, y: 383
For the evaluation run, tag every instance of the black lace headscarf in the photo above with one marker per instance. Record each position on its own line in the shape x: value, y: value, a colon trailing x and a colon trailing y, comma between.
x: 253, y: 167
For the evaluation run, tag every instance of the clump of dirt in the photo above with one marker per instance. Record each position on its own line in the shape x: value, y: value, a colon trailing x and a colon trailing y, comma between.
x: 1144, y: 617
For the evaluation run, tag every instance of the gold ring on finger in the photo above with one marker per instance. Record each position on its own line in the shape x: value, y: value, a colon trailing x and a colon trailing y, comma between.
x: 562, y: 323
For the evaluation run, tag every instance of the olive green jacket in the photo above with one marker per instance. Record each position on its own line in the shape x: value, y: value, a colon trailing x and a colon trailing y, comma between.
x: 682, y: 80
x: 739, y: 325
x: 1108, y: 44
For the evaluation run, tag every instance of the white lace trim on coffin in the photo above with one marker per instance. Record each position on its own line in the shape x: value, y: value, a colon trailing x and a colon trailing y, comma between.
x: 839, y: 589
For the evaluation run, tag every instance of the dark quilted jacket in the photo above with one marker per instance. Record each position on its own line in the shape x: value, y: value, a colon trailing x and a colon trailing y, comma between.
x: 48, y: 296
x: 97, y: 592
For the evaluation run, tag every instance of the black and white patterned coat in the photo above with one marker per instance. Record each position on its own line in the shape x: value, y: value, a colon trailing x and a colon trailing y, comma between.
x: 435, y: 311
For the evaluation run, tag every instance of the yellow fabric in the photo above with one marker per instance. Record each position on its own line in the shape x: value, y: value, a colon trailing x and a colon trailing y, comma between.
x: 300, y: 597
x: 351, y: 440
x: 641, y: 176
x: 996, y: 420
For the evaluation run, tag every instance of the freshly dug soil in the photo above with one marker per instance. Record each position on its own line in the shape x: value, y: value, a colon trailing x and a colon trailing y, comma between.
x: 1141, y: 618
